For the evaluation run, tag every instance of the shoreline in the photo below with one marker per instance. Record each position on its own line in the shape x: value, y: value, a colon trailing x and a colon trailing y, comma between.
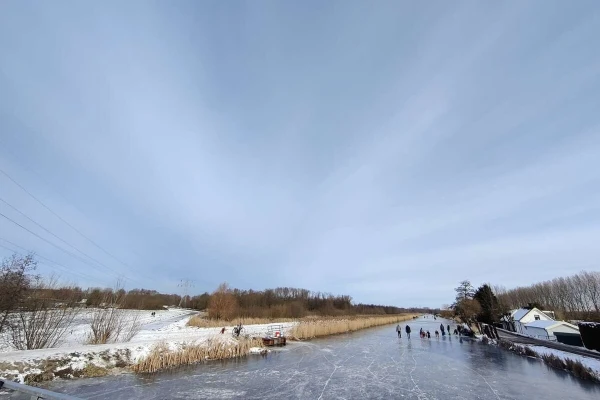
x: 575, y: 365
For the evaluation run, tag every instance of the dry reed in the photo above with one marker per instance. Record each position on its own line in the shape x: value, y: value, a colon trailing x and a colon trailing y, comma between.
x: 202, y: 322
x: 161, y: 357
x: 308, y: 329
x: 575, y: 367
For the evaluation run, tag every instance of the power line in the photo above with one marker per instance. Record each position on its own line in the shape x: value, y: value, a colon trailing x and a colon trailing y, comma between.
x: 38, y: 255
x: 57, y: 266
x: 62, y: 219
x: 60, y: 248
x: 59, y: 238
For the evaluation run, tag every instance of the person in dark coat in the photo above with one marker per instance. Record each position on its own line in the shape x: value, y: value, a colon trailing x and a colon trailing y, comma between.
x: 407, y: 331
x: 448, y: 329
x: 428, y: 335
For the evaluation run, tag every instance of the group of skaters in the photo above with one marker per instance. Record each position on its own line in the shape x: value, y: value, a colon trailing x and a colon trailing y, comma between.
x: 426, y: 334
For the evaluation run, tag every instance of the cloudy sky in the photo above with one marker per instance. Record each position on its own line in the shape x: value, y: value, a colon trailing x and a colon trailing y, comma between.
x: 384, y: 150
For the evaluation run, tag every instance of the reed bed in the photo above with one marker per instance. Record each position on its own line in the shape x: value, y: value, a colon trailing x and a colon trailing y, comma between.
x: 201, y: 322
x: 162, y: 358
x: 308, y: 329
x: 574, y: 366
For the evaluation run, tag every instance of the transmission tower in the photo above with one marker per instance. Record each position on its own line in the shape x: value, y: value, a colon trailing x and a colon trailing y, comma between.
x: 185, y: 285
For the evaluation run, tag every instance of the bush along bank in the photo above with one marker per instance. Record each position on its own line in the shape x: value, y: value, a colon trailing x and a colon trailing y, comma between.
x: 575, y: 367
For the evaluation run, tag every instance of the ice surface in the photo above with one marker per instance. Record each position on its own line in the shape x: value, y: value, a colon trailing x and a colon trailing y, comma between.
x: 372, y: 363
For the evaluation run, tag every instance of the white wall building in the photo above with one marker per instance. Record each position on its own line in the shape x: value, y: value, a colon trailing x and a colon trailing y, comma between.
x: 518, y: 318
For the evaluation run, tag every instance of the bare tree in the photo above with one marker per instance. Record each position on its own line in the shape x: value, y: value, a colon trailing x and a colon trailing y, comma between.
x: 592, y: 287
x: 575, y: 297
x: 15, y: 280
x: 223, y: 304
x: 40, y: 322
x: 464, y: 291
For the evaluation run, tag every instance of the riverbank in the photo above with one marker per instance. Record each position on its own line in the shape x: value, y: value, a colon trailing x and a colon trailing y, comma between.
x: 580, y: 366
x: 168, y: 346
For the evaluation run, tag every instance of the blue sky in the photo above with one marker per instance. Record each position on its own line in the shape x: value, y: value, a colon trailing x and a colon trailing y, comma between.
x: 384, y: 150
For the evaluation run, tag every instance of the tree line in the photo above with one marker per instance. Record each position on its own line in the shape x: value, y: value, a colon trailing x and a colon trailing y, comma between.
x: 18, y: 282
x: 575, y: 297
x: 284, y: 302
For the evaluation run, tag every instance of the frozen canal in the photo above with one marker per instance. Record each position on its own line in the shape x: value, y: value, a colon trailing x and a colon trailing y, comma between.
x: 368, y: 364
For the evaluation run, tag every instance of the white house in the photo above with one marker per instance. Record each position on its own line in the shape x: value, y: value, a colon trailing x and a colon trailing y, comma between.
x: 545, y: 329
x: 519, y: 317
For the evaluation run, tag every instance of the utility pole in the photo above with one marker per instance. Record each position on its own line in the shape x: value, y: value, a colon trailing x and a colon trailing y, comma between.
x: 185, y: 285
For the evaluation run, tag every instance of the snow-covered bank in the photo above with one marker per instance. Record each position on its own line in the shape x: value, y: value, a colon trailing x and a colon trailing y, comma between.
x: 588, y: 362
x: 583, y: 367
x: 75, y: 358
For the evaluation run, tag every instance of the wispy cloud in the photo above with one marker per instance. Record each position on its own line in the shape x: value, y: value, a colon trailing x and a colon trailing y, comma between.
x: 383, y: 152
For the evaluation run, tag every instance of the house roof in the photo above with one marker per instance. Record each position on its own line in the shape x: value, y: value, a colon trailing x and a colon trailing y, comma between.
x: 541, y: 324
x: 520, y: 313
x: 549, y: 324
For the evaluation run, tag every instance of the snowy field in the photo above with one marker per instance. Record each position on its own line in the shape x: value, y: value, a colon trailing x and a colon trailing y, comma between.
x: 168, y: 327
x: 78, y: 335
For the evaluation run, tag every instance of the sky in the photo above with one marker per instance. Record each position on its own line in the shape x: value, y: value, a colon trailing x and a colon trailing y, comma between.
x: 382, y: 150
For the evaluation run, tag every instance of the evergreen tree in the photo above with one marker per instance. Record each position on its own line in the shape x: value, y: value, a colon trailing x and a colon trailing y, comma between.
x: 490, y: 307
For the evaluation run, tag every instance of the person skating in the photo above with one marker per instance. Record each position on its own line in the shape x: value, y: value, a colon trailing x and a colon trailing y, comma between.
x: 399, y: 331
x: 428, y: 335
x: 448, y: 330
x: 407, y: 329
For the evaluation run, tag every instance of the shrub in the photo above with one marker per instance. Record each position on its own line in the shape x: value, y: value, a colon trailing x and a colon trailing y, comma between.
x: 40, y: 323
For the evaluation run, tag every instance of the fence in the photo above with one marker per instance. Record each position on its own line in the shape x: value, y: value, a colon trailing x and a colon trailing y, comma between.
x: 34, y: 392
